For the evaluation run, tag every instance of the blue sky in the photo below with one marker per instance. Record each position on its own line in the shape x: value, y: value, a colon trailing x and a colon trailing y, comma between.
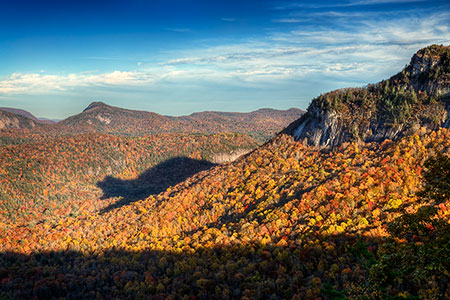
x: 178, y: 57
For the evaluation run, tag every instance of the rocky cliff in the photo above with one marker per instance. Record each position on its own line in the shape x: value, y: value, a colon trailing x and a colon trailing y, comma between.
x: 13, y: 121
x: 417, y: 96
x: 27, y: 114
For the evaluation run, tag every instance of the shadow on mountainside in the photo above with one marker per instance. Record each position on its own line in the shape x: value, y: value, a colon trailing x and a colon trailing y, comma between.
x: 323, y: 267
x: 240, y: 271
x: 151, y: 182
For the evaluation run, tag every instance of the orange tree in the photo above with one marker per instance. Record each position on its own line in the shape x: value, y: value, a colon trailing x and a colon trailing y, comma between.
x: 418, y: 257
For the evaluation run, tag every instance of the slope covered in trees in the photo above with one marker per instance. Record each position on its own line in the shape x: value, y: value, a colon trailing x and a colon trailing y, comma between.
x: 100, y: 117
x: 49, y: 171
x: 359, y: 220
x: 260, y: 124
x: 26, y: 114
x: 53, y: 177
x: 286, y: 220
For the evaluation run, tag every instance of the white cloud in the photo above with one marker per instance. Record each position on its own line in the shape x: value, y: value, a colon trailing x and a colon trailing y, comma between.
x: 39, y: 83
x: 288, y: 20
x: 340, y: 14
x: 371, y: 2
x: 296, y: 5
x: 360, y: 51
x: 399, y: 31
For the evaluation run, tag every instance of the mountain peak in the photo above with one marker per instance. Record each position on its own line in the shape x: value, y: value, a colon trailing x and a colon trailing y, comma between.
x: 429, y: 70
x: 417, y: 96
x: 433, y: 52
x: 95, y: 104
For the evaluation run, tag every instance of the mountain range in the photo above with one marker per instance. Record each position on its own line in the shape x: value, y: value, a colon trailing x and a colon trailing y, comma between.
x: 100, y: 117
x: 350, y: 201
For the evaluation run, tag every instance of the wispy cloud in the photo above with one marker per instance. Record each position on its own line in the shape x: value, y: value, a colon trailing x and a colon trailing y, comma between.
x: 341, y: 14
x: 180, y: 30
x: 371, y: 44
x: 393, y: 32
x: 228, y: 19
x: 316, y: 5
x: 371, y: 2
x: 365, y: 49
x: 288, y: 20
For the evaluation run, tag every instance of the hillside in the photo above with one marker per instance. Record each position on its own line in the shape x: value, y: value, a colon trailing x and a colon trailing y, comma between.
x: 290, y: 220
x: 52, y: 177
x: 27, y: 114
x: 262, y: 123
x: 286, y: 221
x: 100, y: 117
x: 417, y: 96
x: 10, y: 120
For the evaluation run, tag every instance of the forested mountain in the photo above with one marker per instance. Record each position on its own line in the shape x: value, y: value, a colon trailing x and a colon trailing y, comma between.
x: 100, y: 117
x: 27, y: 114
x: 261, y: 124
x: 417, y: 96
x: 56, y: 176
x: 366, y: 218
x: 9, y: 120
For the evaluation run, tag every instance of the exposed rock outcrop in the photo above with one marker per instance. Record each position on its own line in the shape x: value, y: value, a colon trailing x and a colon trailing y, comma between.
x: 12, y: 121
x: 224, y: 157
x: 27, y: 114
x: 417, y: 96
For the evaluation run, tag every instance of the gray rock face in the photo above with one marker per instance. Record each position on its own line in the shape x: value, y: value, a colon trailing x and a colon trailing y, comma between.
x: 327, y: 129
x: 420, y: 65
x: 220, y: 158
x: 320, y: 128
x: 446, y: 123
x: 13, y: 121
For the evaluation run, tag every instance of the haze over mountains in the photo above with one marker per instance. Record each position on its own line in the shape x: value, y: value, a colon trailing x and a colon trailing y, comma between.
x: 100, y: 117
x: 14, y: 121
x: 27, y: 114
x: 350, y: 201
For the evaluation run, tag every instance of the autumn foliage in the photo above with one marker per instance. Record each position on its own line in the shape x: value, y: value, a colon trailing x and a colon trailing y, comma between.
x: 285, y: 221
x: 44, y: 177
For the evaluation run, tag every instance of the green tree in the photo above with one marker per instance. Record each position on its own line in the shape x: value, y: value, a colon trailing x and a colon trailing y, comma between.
x: 416, y: 262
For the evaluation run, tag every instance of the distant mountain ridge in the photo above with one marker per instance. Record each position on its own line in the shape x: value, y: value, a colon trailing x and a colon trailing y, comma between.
x: 10, y: 120
x: 417, y: 96
x: 27, y: 114
x: 101, y: 117
x: 48, y: 120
